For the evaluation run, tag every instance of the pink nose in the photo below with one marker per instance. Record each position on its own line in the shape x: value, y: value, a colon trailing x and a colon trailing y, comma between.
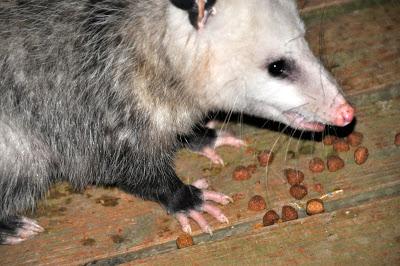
x: 344, y: 115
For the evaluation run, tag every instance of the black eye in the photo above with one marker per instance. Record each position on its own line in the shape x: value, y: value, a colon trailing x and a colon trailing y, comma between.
x: 279, y: 68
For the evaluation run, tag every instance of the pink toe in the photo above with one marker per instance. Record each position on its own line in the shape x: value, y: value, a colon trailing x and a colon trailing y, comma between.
x: 212, y: 155
x: 199, y: 219
x: 225, y: 139
x: 201, y: 183
x: 217, y: 197
x: 215, y: 212
x: 184, y: 222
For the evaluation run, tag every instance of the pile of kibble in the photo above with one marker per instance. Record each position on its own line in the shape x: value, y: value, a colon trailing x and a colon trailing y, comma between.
x: 295, y: 179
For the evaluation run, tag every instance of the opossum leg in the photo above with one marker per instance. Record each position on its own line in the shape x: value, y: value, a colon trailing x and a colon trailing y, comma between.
x: 205, y: 207
x: 27, y: 170
x: 182, y: 200
x: 205, y: 140
x: 14, y: 230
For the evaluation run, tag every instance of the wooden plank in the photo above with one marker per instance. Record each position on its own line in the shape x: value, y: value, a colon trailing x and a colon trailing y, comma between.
x: 246, y: 227
x: 367, y: 234
x: 101, y: 223
x: 360, y: 46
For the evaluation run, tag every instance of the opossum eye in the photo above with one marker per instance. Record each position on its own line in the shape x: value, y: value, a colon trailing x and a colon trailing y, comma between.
x: 279, y: 68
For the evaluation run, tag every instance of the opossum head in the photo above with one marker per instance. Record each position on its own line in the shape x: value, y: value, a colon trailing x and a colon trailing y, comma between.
x: 252, y: 57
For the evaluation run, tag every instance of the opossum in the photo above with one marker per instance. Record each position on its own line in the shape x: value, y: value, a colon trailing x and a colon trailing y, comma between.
x: 101, y: 92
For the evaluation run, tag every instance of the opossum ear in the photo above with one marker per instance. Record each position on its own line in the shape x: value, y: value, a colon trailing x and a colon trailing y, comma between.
x: 199, y: 10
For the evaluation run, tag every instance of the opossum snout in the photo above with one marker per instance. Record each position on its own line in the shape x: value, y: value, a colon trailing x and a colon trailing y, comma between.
x: 344, y: 115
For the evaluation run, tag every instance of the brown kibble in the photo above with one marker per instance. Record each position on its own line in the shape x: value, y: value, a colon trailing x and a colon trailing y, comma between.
x: 294, y: 177
x: 355, y: 138
x: 241, y: 173
x: 315, y: 206
x: 238, y: 196
x: 289, y: 213
x: 257, y: 203
x: 329, y: 140
x: 334, y: 163
x: 397, y: 139
x: 265, y: 158
x: 252, y: 168
x: 316, y: 165
x: 298, y: 191
x: 184, y: 241
x: 270, y: 217
x: 319, y: 188
x: 361, y: 155
x: 340, y: 145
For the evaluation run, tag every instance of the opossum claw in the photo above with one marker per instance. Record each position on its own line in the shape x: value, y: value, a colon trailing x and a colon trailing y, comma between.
x: 11, y: 240
x: 184, y: 221
x: 199, y: 219
x: 211, y: 154
x: 217, y: 197
x: 227, y: 139
x: 197, y: 216
x: 17, y: 229
x: 32, y: 225
x: 215, y: 212
x: 223, y: 139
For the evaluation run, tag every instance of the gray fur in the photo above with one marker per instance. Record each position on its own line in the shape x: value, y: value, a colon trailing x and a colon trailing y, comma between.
x: 75, y: 82
x: 101, y: 92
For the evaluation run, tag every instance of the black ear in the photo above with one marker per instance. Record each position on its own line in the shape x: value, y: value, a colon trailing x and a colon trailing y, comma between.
x: 191, y: 6
x: 184, y: 4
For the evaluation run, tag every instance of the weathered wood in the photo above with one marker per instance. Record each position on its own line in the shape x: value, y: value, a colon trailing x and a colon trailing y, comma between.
x: 368, y: 234
x: 361, y: 48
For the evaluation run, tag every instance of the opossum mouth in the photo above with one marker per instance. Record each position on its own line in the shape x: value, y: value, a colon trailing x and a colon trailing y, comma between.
x: 300, y: 122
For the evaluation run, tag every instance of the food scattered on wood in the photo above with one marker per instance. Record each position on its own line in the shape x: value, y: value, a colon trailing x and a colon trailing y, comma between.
x: 355, y: 138
x: 257, y: 203
x: 334, y: 163
x: 316, y: 165
x: 289, y: 213
x: 397, y: 139
x: 319, y: 188
x: 361, y: 155
x: 294, y: 177
x: 252, y: 168
x: 184, y: 241
x: 298, y: 191
x: 241, y: 173
x: 315, y: 206
x: 329, y: 140
x: 270, y: 217
x: 265, y: 158
x: 238, y: 196
x: 340, y: 145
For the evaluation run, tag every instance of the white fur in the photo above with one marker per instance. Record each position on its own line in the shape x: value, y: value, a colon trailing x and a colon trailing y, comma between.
x: 231, y: 54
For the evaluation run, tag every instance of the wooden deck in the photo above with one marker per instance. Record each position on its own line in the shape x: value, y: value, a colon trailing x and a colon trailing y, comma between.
x: 359, y: 40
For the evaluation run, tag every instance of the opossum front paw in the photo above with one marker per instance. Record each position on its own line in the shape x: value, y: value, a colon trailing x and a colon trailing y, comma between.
x: 15, y: 230
x: 223, y: 139
x: 196, y: 214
